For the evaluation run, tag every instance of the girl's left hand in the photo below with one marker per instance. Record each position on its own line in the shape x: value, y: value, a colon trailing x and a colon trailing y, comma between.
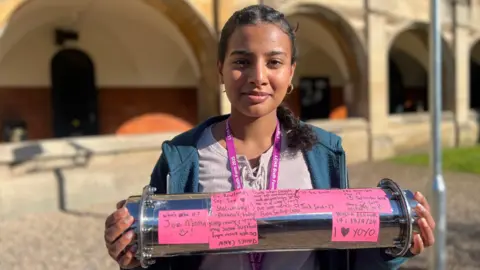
x: 426, y: 223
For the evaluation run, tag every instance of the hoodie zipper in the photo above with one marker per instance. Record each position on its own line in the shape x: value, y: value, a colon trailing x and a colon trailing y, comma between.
x: 168, y: 184
x: 343, y: 171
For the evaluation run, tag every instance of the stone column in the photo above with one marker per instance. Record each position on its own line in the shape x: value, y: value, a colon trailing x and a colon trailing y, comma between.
x: 465, y: 132
x: 381, y: 146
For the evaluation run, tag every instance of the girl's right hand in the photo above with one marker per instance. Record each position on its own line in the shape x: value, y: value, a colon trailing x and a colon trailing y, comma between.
x: 115, y: 225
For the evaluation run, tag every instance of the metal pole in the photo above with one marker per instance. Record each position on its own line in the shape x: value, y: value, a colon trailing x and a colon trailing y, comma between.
x: 438, y: 256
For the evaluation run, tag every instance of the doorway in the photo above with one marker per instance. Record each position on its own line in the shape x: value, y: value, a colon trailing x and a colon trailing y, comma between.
x: 74, y: 94
x: 474, y: 85
x: 397, y: 89
x: 314, y: 98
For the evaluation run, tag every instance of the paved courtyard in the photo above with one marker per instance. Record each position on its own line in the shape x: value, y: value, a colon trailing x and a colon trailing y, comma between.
x: 74, y: 241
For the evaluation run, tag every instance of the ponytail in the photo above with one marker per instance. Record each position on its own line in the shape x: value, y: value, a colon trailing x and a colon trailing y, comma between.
x: 300, y: 137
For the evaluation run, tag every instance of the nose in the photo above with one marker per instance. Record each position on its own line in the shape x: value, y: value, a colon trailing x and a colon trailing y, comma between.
x: 258, y: 75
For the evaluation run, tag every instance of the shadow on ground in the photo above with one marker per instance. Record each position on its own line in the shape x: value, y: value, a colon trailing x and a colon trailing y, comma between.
x: 84, y: 214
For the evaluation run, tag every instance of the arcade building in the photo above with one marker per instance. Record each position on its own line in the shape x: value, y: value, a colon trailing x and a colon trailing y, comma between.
x: 132, y: 67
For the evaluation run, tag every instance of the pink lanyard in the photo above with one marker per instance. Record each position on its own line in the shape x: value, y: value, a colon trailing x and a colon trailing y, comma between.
x: 255, y: 258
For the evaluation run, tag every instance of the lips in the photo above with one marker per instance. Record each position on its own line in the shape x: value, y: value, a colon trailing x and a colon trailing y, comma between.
x: 256, y: 97
x: 259, y: 94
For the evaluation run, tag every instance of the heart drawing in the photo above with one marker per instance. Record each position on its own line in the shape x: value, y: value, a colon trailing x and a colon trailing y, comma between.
x: 345, y: 231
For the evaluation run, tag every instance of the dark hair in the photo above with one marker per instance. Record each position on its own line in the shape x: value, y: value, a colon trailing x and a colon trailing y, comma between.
x: 299, y: 136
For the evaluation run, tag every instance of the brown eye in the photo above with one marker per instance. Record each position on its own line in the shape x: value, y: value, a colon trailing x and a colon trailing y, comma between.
x: 240, y: 62
x: 274, y: 63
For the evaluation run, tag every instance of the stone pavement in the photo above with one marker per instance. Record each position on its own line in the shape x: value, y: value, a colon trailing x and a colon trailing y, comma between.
x: 54, y: 241
x: 463, y: 198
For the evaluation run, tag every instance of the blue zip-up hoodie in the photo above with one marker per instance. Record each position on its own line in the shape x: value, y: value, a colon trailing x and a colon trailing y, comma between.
x: 177, y: 172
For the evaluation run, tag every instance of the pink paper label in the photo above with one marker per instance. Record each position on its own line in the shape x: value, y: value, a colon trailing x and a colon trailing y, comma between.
x: 355, y: 227
x: 232, y: 222
x: 237, y: 204
x: 366, y: 200
x: 348, y: 200
x: 183, y: 227
x: 355, y: 213
x: 270, y: 203
x: 227, y: 233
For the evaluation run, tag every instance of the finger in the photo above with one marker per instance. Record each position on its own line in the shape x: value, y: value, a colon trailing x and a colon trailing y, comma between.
x: 118, y: 246
x: 422, y: 200
x: 422, y: 212
x: 418, y: 246
x: 125, y: 259
x: 115, y: 217
x: 114, y: 231
x: 121, y: 204
x: 133, y: 249
x: 421, y: 225
x: 128, y: 260
x: 428, y: 237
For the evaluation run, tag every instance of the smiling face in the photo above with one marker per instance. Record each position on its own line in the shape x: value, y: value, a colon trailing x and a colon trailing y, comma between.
x: 258, y: 69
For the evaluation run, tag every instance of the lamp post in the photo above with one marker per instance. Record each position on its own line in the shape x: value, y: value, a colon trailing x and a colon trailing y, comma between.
x: 437, y: 258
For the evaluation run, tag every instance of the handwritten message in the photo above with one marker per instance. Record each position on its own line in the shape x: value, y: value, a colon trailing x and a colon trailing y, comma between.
x: 232, y: 222
x: 233, y: 205
x: 350, y: 200
x: 183, y: 227
x: 232, y: 218
x: 286, y: 202
x: 355, y: 227
x: 366, y: 200
x: 226, y: 233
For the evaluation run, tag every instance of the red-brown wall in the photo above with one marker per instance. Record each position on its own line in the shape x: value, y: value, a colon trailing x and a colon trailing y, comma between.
x: 120, y: 110
x: 119, y: 105
x: 128, y: 110
x: 31, y: 105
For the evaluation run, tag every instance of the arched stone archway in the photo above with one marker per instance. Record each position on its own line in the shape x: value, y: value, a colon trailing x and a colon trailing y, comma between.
x: 150, y: 61
x: 408, y: 71
x: 334, y: 58
x: 475, y: 77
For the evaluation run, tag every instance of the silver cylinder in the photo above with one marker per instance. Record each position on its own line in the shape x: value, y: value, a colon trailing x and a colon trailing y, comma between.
x: 294, y: 232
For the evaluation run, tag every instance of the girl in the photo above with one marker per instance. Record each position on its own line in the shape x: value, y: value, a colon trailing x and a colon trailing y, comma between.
x: 256, y: 62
